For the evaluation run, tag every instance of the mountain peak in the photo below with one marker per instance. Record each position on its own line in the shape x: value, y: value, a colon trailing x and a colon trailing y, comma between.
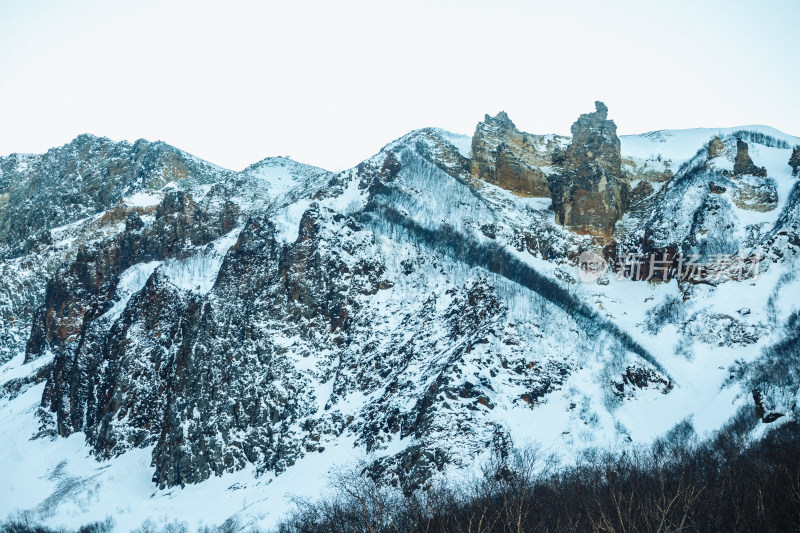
x: 601, y: 109
x: 501, y: 119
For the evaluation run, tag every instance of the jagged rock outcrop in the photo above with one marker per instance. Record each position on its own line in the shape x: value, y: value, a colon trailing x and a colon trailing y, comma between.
x: 589, y: 194
x: 76, y: 319
x: 82, y: 290
x: 715, y: 147
x: 511, y: 159
x: 49, y: 207
x: 696, y: 213
x: 742, y: 164
x: 161, y: 368
x: 56, y: 205
x: 753, y: 190
x: 794, y: 161
x: 86, y: 176
x: 594, y: 142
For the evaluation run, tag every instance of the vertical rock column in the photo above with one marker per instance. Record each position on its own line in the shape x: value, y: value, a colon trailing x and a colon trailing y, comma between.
x: 589, y: 196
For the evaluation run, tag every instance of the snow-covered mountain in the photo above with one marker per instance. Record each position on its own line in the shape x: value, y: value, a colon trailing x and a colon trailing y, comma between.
x: 181, y: 341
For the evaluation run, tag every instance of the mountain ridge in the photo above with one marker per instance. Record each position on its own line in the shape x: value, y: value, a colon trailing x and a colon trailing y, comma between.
x: 237, y: 330
x: 706, y: 132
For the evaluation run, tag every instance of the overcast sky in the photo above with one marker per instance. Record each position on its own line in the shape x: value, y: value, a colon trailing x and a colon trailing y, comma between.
x: 329, y: 83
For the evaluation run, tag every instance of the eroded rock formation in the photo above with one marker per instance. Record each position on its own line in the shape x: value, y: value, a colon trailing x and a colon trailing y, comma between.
x: 743, y: 164
x: 589, y: 195
x: 511, y: 159
x: 715, y: 147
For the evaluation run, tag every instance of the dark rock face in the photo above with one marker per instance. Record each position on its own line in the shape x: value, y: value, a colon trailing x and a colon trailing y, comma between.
x: 511, y: 159
x: 589, y: 196
x: 642, y: 191
x: 743, y: 164
x: 47, y: 198
x: 178, y: 369
x: 73, y: 322
x: 84, y: 177
x: 57, y: 205
x: 794, y: 161
x: 81, y: 291
x: 232, y: 378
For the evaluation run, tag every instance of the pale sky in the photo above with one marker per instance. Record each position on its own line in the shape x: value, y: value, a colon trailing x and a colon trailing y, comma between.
x: 329, y: 83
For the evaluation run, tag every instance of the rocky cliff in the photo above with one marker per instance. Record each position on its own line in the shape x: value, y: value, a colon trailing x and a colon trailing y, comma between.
x: 84, y: 177
x: 743, y: 164
x: 513, y: 160
x: 583, y: 178
x: 589, y: 193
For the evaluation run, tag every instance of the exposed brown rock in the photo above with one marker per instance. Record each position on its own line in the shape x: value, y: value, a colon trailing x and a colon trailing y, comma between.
x: 594, y: 142
x: 642, y: 190
x: 716, y: 189
x: 589, y: 195
x: 512, y: 174
x: 715, y: 147
x: 751, y: 191
x: 511, y: 159
x: 755, y: 194
x: 743, y: 164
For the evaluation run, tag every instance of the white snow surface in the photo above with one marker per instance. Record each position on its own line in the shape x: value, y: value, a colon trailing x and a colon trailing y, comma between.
x: 681, y: 145
x: 143, y: 199
x: 198, y: 272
